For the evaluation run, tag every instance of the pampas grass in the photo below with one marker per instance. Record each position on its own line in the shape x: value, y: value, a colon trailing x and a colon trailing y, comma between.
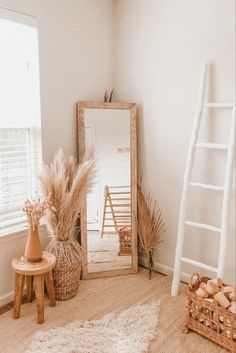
x: 67, y: 184
x: 150, y: 226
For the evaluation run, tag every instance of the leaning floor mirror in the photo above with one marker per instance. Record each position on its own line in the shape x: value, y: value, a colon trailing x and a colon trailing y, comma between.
x: 108, y: 216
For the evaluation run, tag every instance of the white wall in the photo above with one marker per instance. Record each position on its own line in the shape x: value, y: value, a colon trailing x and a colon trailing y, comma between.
x: 76, y: 63
x: 160, y: 47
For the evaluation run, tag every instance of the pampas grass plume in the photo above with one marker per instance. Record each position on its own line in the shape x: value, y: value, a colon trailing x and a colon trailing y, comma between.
x: 67, y: 183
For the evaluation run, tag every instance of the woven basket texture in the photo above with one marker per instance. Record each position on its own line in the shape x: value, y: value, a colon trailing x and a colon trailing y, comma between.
x: 211, y: 321
x: 125, y: 241
x: 67, y: 271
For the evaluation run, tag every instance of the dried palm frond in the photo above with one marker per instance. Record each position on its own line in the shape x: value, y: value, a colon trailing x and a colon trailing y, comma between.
x: 150, y: 226
x: 67, y: 183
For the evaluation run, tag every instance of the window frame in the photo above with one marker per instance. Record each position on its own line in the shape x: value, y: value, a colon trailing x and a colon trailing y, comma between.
x: 20, y: 229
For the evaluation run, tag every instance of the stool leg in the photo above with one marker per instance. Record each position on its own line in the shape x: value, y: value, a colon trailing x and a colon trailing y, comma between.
x: 39, y: 294
x: 19, y: 284
x: 50, y: 288
x: 29, y: 283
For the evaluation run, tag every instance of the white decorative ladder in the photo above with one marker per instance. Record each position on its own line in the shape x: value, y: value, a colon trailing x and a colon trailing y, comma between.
x: 226, y: 189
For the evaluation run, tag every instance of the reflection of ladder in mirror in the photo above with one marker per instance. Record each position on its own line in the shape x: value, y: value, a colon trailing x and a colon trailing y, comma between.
x: 226, y: 189
x: 117, y: 209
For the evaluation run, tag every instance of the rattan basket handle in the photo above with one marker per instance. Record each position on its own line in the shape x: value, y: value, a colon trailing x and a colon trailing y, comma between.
x: 194, y: 282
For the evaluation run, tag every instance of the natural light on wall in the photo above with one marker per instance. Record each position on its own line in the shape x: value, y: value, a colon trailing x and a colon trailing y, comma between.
x: 20, y: 120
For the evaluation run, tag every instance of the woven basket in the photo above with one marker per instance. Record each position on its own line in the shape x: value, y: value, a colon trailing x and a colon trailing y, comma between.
x: 209, y: 320
x: 67, y: 271
x: 125, y: 241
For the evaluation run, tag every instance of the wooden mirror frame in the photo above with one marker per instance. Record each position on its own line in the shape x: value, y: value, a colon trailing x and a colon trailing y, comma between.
x: 81, y: 106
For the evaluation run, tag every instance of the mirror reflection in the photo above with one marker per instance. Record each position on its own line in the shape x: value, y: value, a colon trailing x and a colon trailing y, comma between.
x: 109, y: 203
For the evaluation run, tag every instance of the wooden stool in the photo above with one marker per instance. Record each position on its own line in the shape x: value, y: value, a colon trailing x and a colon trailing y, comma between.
x: 37, y: 271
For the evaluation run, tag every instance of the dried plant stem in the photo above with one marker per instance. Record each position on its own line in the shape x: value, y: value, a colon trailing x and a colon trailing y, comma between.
x: 150, y: 227
x: 35, y: 210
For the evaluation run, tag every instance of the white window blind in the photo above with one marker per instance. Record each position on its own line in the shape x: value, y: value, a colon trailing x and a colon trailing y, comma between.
x: 20, y: 127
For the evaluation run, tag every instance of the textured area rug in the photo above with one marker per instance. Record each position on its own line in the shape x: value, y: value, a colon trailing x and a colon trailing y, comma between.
x: 127, y: 332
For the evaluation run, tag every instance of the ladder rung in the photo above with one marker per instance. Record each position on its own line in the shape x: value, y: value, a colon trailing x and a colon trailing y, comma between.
x: 119, y: 205
x: 218, y: 105
x: 208, y: 186
x: 121, y: 193
x: 199, y: 264
x: 121, y: 199
x: 215, y: 146
x: 123, y: 216
x: 119, y: 187
x: 118, y: 219
x: 124, y: 221
x: 117, y: 212
x: 203, y: 226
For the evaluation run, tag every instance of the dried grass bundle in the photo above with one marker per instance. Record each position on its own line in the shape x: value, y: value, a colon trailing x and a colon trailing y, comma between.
x: 150, y: 226
x: 35, y: 210
x: 67, y: 183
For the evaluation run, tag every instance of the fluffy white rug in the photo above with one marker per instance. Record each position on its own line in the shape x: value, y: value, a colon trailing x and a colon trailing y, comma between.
x: 127, y: 332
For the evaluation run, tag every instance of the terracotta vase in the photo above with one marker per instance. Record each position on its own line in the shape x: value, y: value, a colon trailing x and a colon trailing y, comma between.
x: 33, y: 250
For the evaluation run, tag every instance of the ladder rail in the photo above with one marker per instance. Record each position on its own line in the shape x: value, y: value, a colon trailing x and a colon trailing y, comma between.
x: 226, y: 197
x: 104, y: 210
x: 111, y: 209
x: 189, y: 166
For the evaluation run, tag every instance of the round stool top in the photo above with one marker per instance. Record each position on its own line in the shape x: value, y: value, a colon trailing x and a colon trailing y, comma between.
x: 21, y: 265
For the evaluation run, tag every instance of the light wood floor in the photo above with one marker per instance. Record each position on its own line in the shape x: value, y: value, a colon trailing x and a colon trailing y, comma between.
x: 101, y: 296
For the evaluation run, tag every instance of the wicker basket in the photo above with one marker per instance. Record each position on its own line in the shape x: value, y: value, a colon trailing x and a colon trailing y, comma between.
x: 67, y: 271
x: 125, y: 241
x: 209, y: 320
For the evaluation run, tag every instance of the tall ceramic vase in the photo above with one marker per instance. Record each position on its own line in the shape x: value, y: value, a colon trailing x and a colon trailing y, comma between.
x: 33, y: 250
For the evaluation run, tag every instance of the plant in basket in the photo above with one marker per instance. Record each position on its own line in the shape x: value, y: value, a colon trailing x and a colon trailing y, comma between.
x: 67, y: 183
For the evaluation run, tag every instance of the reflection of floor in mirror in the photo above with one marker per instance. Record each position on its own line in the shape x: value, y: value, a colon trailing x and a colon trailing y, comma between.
x: 103, y: 253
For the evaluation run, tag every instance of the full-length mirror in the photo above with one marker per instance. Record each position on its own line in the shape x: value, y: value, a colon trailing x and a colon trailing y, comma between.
x: 108, y: 230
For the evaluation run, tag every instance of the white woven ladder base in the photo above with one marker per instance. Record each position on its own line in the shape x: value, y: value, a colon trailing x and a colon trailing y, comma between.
x: 127, y: 332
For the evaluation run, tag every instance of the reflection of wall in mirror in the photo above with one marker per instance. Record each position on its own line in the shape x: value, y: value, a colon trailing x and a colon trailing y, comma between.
x: 93, y: 210
x: 109, y: 131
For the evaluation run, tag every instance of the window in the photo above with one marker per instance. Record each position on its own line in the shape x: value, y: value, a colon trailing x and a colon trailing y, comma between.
x: 20, y: 127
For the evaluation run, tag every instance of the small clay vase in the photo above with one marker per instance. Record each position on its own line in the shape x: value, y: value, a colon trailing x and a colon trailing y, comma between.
x: 33, y: 250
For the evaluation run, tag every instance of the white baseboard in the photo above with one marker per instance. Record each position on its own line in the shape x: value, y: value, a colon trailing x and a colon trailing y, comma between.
x: 6, y: 298
x: 9, y: 297
x: 166, y: 270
